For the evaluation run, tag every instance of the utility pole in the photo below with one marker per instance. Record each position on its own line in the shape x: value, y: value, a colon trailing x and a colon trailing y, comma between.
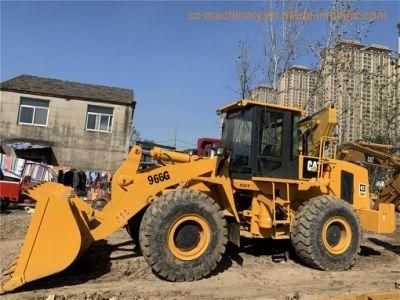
x: 176, y: 129
x: 398, y: 28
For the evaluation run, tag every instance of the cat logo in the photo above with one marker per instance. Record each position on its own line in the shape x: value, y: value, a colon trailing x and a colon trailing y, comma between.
x: 312, y: 166
x: 370, y: 159
x: 244, y: 185
x: 362, y: 190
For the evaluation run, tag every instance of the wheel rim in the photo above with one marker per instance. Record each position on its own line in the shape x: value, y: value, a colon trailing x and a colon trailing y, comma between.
x: 189, y: 237
x: 336, y: 235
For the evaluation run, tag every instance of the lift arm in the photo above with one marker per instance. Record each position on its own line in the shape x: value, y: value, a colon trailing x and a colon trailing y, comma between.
x: 63, y: 225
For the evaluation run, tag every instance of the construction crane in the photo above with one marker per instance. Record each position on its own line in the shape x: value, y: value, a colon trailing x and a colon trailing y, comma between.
x: 183, y: 211
x: 379, y: 156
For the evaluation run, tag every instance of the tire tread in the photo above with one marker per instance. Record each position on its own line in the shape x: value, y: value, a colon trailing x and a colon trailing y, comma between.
x: 302, y: 235
x: 158, y: 211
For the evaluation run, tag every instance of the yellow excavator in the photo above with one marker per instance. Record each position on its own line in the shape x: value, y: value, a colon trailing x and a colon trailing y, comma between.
x: 376, y: 156
x: 266, y: 181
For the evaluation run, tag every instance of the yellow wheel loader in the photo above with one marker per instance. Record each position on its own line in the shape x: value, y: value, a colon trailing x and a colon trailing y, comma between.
x: 276, y: 176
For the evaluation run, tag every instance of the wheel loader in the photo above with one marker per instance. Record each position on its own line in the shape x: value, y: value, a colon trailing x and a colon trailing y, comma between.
x: 276, y: 176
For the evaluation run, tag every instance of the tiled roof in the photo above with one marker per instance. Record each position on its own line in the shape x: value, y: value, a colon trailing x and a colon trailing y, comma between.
x: 67, y: 89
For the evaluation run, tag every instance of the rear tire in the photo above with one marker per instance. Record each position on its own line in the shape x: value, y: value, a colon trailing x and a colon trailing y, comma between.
x: 183, y: 235
x: 326, y: 234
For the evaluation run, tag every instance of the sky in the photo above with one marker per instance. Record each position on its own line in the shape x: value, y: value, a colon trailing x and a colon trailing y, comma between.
x: 181, y: 70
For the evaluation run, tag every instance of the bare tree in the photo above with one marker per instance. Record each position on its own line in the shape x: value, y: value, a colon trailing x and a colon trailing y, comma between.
x: 281, y: 41
x: 385, y: 117
x: 337, y: 29
x: 336, y: 77
x: 336, y: 66
x: 341, y: 83
x: 386, y: 111
x: 245, y: 71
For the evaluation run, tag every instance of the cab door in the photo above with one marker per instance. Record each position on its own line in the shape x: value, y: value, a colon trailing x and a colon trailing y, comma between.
x: 274, y: 151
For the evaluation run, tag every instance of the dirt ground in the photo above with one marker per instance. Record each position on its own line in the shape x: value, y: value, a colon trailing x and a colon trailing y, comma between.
x: 113, y: 269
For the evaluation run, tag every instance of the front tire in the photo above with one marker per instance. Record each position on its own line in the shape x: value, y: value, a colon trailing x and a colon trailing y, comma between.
x: 326, y: 234
x: 183, y: 235
x: 133, y: 228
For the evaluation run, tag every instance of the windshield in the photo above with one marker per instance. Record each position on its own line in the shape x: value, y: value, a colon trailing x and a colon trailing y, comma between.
x: 236, y: 138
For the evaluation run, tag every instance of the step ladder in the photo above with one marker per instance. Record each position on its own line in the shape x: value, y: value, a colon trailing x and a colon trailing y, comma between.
x: 281, y: 227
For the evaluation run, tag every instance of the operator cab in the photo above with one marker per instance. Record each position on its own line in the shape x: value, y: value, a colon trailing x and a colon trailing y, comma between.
x: 262, y: 139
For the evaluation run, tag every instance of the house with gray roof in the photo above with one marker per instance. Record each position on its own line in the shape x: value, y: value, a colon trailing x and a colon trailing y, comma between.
x: 65, y: 123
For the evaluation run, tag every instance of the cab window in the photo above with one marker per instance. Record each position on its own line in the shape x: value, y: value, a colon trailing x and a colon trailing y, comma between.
x: 236, y: 138
x: 271, y: 134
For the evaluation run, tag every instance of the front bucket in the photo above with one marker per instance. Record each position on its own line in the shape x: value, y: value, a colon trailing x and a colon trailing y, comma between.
x: 53, y: 240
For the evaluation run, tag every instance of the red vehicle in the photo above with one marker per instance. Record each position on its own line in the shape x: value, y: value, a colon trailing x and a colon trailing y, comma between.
x: 206, y: 145
x: 13, y: 191
x: 12, y: 187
